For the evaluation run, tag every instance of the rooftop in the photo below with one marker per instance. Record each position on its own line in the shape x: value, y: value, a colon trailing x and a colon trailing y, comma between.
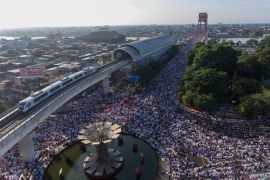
x: 139, y: 49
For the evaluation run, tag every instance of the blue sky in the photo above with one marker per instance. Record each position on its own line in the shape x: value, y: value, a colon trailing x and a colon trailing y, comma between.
x: 28, y: 13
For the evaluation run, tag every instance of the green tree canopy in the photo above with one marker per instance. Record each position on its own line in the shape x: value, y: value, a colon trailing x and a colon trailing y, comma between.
x: 244, y: 86
x: 173, y: 51
x: 263, y: 57
x: 217, y: 73
x: 252, y: 42
x: 191, y: 53
x: 3, y: 106
x: 201, y: 101
x: 249, y: 67
x: 213, y: 41
x: 209, y: 81
x: 220, y: 57
x: 264, y: 43
x: 255, y: 104
x: 190, y: 57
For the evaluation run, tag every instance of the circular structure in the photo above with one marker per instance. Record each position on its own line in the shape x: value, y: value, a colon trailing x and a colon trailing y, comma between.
x: 132, y: 160
x: 105, y: 162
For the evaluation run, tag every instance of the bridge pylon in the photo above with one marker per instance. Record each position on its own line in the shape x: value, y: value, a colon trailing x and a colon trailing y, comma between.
x: 202, y: 21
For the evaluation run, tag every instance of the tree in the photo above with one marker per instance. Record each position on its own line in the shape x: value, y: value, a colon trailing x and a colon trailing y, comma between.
x: 190, y: 57
x: 186, y: 78
x: 264, y: 43
x: 3, y: 106
x: 199, y: 45
x: 252, y: 42
x: 209, y: 82
x: 263, y: 57
x: 244, y: 86
x: 239, y: 43
x: 155, y: 65
x: 255, y: 104
x: 217, y: 73
x: 230, y: 42
x: 212, y: 41
x: 201, y: 101
x: 173, y: 51
x: 191, y: 53
x: 256, y: 33
x: 249, y: 67
x: 220, y: 57
x: 147, y: 72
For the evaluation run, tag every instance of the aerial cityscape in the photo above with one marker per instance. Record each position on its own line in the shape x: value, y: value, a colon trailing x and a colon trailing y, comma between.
x: 134, y: 90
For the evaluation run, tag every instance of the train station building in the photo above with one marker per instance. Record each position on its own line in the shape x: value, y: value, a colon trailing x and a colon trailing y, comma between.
x: 141, y: 52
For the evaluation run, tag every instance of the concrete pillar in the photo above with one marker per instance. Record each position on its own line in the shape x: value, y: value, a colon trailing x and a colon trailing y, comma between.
x: 26, y: 146
x: 106, y: 85
x: 112, y: 56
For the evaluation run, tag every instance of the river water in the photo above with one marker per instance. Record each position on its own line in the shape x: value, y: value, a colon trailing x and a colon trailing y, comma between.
x: 13, y: 38
x: 235, y: 40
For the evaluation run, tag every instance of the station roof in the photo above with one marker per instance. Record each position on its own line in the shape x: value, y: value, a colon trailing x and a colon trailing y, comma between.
x: 147, y: 45
x: 139, y: 48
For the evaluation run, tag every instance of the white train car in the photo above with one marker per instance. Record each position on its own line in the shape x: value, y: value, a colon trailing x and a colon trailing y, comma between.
x: 39, y: 96
x: 48, y: 91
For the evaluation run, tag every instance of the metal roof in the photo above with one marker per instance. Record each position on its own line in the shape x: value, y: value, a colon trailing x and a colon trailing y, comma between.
x: 148, y: 45
x: 139, y: 49
x: 132, y: 51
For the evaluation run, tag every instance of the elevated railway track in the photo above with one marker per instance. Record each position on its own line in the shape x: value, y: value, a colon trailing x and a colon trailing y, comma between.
x: 18, y: 124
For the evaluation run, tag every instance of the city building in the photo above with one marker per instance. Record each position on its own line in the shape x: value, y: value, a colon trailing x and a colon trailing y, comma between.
x: 18, y: 44
x: 54, y: 36
x: 112, y: 37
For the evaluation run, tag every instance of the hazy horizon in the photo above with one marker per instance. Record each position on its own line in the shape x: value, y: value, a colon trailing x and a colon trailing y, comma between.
x: 60, y: 13
x: 33, y: 27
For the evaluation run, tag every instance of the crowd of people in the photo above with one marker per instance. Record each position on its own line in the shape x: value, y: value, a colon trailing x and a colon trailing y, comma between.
x: 194, y: 147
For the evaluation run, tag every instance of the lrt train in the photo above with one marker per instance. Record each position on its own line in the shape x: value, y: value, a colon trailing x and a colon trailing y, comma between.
x: 39, y: 96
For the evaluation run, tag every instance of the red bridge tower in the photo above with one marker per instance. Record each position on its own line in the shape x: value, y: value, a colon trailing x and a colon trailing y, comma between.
x: 203, y: 20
